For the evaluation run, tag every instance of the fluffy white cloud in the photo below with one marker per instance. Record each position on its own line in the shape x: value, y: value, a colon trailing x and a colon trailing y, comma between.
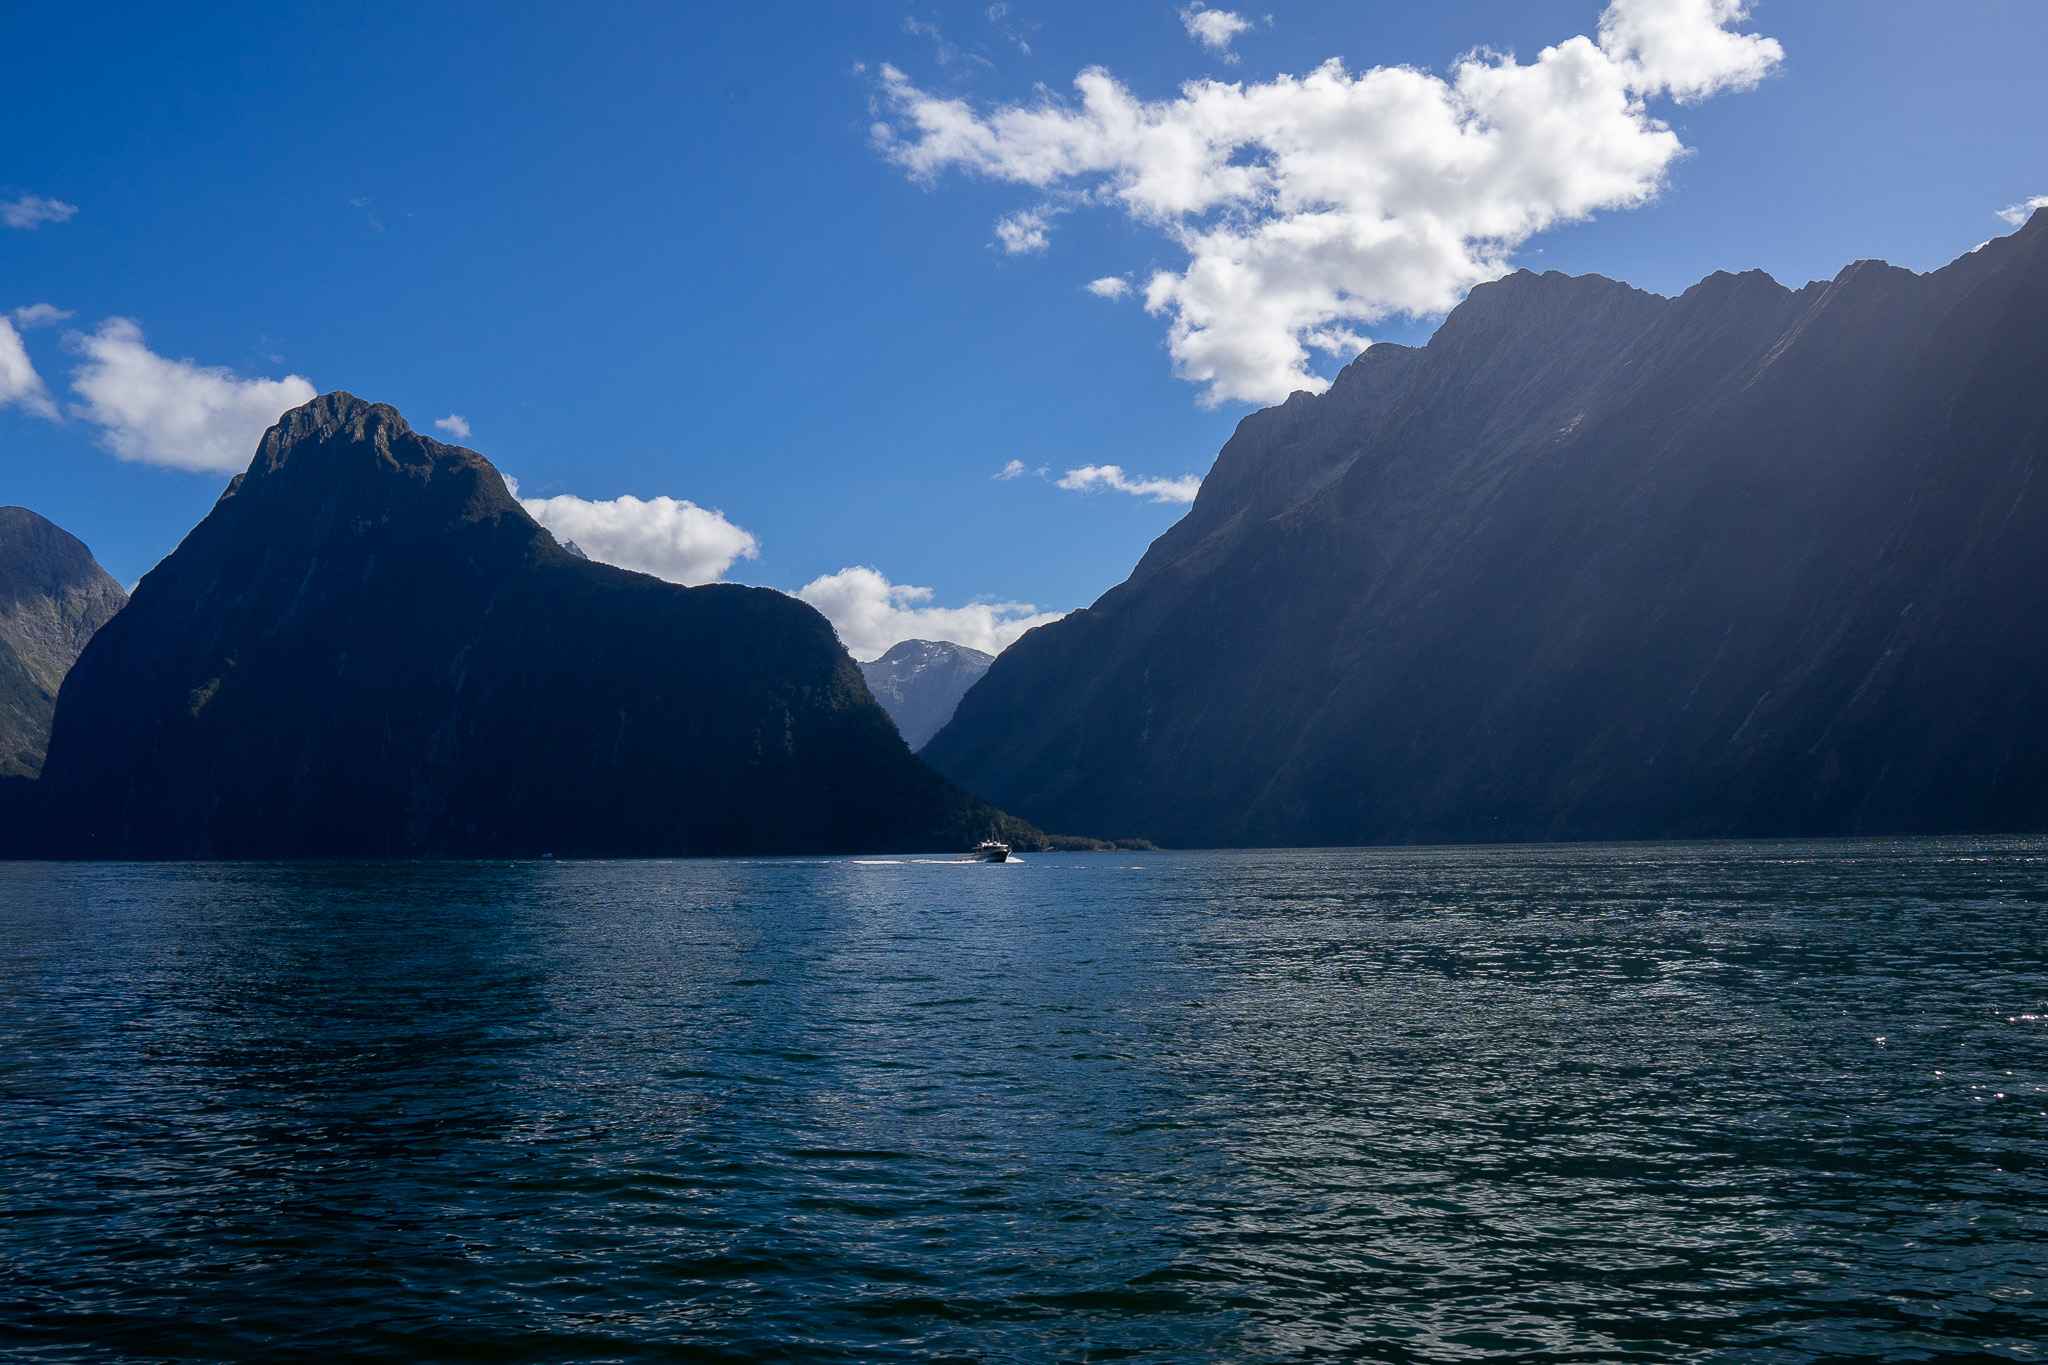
x: 39, y: 315
x: 2018, y: 213
x: 1095, y: 478
x: 1109, y: 287
x: 1684, y: 48
x: 455, y: 424
x: 1025, y: 232
x: 670, y: 538
x: 1311, y: 206
x: 174, y: 412
x: 1013, y: 470
x: 31, y: 211
x: 871, y: 613
x: 20, y: 385
x: 1215, y: 29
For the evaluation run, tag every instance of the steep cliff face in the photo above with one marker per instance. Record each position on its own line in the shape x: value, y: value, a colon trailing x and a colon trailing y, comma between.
x: 53, y: 597
x: 369, y: 648
x: 920, y: 683
x: 1592, y: 563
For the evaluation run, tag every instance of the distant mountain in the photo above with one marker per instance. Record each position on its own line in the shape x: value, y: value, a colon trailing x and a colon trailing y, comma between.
x: 53, y: 596
x: 369, y: 648
x: 1592, y: 563
x: 920, y: 682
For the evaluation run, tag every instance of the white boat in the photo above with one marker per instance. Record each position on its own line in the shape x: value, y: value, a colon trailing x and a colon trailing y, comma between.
x: 992, y: 851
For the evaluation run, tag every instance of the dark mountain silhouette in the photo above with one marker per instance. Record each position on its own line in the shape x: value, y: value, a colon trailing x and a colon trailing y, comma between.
x: 53, y: 596
x: 369, y: 648
x: 920, y: 682
x: 1592, y: 563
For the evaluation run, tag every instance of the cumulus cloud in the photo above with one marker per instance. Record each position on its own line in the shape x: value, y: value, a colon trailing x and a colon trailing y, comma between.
x: 1109, y: 287
x: 2017, y: 214
x: 1309, y: 207
x: 670, y: 538
x: 174, y: 412
x: 1215, y: 29
x: 39, y: 315
x: 20, y: 385
x: 1025, y: 232
x: 31, y: 211
x: 1015, y: 469
x: 1685, y: 48
x: 1095, y: 478
x: 871, y: 614
x: 455, y: 424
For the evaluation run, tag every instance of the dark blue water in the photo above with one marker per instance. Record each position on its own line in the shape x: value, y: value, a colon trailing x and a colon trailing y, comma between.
x: 1784, y: 1101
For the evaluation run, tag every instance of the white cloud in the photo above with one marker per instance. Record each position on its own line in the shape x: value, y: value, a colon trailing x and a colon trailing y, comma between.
x: 1311, y: 206
x: 1094, y: 478
x: 1684, y: 48
x: 670, y: 538
x: 39, y: 315
x: 1215, y: 29
x: 1341, y: 342
x: 2018, y: 213
x: 1015, y: 469
x: 1024, y: 233
x: 20, y: 385
x: 31, y: 211
x: 455, y: 424
x: 174, y: 412
x: 1109, y: 287
x: 871, y: 613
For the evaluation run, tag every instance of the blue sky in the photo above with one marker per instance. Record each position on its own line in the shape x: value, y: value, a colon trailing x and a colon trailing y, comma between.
x: 656, y: 250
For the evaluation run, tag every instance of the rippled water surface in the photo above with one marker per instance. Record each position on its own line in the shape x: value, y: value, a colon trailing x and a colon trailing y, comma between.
x: 1589, y: 1103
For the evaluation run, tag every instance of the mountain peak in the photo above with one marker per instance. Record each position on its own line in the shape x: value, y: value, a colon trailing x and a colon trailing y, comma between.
x: 904, y: 650
x: 341, y: 447
x: 1729, y: 282
x: 1526, y: 304
x: 920, y: 683
x: 35, y: 551
x: 334, y: 413
x: 331, y: 419
x: 1526, y: 283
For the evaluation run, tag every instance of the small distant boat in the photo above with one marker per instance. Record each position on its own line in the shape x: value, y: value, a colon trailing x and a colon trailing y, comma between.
x: 992, y: 851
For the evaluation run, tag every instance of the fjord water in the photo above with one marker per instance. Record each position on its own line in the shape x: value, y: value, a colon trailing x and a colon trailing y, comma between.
x: 1591, y: 1103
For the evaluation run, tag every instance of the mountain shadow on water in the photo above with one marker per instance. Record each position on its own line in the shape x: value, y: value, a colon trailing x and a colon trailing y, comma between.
x: 1593, y: 563
x: 368, y: 648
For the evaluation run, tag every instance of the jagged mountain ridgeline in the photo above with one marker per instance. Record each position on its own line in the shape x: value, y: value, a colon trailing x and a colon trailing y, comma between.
x: 1592, y: 563
x: 920, y: 683
x: 369, y: 648
x: 53, y: 596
